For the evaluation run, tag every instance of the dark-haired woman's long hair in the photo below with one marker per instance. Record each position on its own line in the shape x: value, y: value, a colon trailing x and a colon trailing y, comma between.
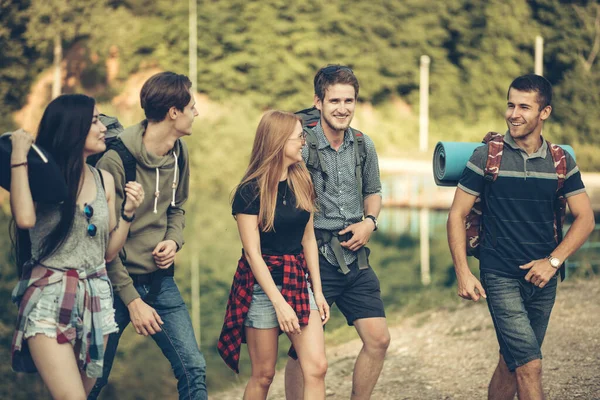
x: 62, y: 132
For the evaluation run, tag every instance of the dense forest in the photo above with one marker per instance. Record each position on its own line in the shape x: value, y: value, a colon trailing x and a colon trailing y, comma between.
x: 254, y: 55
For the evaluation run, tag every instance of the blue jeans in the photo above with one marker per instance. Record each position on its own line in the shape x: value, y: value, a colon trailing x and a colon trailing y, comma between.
x: 520, y: 311
x: 176, y: 341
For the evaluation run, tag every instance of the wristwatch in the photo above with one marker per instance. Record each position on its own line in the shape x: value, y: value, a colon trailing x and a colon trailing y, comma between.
x: 372, y: 218
x: 554, y: 262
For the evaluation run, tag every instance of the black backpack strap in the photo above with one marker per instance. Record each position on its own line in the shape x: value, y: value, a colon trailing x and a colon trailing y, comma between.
x: 128, y: 161
x: 315, y: 162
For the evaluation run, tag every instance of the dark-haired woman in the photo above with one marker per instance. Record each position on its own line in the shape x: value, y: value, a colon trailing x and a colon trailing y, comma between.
x: 273, y: 206
x: 64, y: 296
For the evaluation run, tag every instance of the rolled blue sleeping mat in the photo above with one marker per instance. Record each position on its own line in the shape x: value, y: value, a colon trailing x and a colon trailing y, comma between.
x: 450, y: 159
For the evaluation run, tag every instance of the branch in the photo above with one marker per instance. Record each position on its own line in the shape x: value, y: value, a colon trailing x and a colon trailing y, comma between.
x: 589, y: 62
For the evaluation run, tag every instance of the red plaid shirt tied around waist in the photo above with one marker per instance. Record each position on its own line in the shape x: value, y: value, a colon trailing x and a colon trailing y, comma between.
x: 27, y: 293
x: 294, y: 291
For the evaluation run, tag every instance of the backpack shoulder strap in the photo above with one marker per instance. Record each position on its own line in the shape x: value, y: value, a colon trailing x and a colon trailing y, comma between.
x: 495, y: 142
x: 127, y: 159
x: 359, y: 138
x: 315, y: 158
x: 360, y: 152
x: 560, y: 163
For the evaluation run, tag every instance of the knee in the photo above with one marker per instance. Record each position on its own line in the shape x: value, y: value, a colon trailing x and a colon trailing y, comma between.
x: 379, y: 343
x: 529, y: 371
x: 264, y: 377
x: 316, y: 369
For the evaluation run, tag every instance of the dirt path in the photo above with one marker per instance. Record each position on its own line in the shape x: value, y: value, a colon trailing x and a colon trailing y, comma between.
x: 452, y: 354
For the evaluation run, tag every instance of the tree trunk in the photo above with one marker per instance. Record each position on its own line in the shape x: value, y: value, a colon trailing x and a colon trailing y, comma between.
x: 193, y: 43
x: 57, y: 82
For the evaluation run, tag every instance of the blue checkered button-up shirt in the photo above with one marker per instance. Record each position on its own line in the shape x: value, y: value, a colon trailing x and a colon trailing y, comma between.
x: 339, y: 204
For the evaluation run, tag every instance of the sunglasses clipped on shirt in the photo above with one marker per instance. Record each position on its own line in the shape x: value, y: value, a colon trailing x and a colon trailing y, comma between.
x: 88, y: 210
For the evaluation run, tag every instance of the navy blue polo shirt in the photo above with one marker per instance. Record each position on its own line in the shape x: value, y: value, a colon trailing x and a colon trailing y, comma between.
x: 518, y: 216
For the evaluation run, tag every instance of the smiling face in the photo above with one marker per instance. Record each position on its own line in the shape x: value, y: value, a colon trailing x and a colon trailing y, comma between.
x: 523, y: 115
x: 95, y: 140
x: 292, y: 152
x: 337, y: 107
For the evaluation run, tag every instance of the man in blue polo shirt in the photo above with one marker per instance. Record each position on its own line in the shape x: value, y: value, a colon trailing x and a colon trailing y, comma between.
x: 519, y: 257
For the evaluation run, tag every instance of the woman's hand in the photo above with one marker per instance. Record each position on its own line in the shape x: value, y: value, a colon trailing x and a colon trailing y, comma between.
x: 134, y: 193
x: 21, y: 141
x: 287, y: 318
x: 323, y: 306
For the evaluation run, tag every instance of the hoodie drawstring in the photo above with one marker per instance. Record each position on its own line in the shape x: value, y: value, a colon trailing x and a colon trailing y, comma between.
x: 156, y: 192
x: 174, y: 179
x: 174, y: 186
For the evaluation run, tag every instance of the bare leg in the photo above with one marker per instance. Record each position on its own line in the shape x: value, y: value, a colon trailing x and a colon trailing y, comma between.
x: 503, y: 385
x: 310, y: 346
x: 262, y: 347
x: 294, y: 380
x: 529, y: 381
x: 375, y: 336
x: 57, y: 366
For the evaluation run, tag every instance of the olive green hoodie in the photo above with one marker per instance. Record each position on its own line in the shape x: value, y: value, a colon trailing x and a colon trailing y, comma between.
x: 161, y: 214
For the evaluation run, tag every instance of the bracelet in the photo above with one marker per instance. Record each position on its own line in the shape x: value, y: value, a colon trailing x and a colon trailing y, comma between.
x: 18, y: 165
x: 126, y: 218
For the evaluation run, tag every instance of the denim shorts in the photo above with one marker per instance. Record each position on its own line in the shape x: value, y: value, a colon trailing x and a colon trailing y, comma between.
x: 262, y: 315
x: 43, y: 317
x: 520, y: 311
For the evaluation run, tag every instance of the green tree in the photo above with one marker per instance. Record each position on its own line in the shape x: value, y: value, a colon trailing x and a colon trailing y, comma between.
x: 55, y: 22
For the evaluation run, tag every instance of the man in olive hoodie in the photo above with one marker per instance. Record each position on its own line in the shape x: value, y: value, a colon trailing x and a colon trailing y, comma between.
x: 142, y: 275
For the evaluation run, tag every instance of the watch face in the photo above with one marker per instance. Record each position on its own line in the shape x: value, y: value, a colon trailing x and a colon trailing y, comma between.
x: 555, y: 262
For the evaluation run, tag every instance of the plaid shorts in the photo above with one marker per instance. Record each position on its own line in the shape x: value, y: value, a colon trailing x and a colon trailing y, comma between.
x: 43, y: 318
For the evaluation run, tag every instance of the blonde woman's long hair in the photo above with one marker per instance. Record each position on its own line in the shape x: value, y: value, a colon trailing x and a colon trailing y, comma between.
x: 266, y: 165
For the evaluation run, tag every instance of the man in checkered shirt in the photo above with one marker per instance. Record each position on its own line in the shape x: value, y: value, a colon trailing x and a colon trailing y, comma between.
x: 344, y: 222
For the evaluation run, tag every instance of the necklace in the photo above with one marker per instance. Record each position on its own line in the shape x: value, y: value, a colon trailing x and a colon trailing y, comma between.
x: 285, y: 194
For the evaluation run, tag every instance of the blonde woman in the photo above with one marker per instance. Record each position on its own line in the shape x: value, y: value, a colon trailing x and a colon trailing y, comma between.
x: 271, y: 293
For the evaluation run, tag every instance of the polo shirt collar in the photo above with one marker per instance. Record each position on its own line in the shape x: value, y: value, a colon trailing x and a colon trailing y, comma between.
x: 541, y: 152
x: 323, y: 142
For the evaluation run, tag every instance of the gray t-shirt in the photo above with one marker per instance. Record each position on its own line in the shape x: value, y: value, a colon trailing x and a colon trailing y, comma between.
x: 79, y: 250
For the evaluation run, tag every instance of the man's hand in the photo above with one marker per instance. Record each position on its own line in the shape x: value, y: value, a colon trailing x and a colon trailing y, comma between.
x: 470, y: 288
x: 164, y: 253
x: 540, y: 272
x: 361, y: 233
x: 144, y: 318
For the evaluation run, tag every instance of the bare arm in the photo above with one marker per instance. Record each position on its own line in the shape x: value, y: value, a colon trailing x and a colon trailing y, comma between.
x: 469, y: 286
x: 583, y: 225
x: 21, y: 202
x: 540, y: 271
x: 311, y: 253
x: 250, y: 236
